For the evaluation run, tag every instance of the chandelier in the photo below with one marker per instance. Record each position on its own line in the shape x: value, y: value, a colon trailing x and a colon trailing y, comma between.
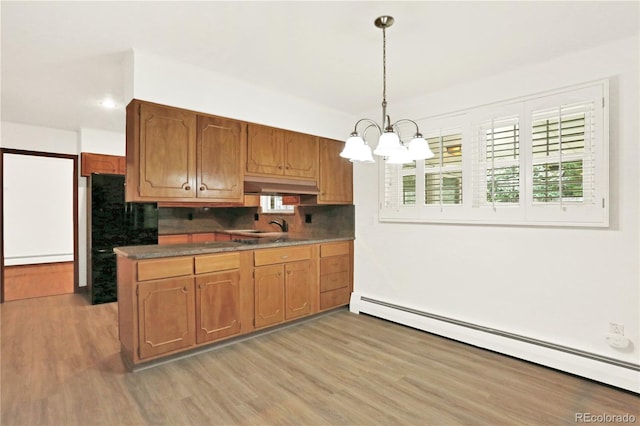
x: 390, y: 145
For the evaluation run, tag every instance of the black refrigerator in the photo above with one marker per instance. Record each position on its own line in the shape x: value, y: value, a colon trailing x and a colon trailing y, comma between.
x: 114, y: 223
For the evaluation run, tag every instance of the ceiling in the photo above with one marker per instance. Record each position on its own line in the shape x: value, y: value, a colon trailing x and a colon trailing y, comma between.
x: 60, y: 59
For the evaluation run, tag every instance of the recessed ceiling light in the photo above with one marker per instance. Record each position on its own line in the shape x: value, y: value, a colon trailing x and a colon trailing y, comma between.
x: 108, y: 103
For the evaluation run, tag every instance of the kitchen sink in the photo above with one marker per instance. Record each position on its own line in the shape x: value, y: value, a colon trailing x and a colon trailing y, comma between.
x: 256, y: 233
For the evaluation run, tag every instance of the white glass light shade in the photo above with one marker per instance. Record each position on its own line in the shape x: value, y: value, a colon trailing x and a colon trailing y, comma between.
x: 419, y: 149
x: 388, y: 143
x: 363, y: 155
x: 351, y: 147
x: 401, y: 156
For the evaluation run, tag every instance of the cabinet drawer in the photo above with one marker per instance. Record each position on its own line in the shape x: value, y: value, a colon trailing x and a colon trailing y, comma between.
x: 330, y: 265
x: 333, y: 298
x: 217, y: 262
x: 164, y: 268
x: 281, y: 255
x: 333, y: 281
x: 334, y: 249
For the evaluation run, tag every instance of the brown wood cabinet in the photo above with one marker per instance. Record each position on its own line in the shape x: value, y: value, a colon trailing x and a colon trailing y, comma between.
x: 336, y: 174
x: 269, y: 295
x: 175, y: 155
x: 103, y: 164
x: 166, y: 320
x: 335, y: 274
x: 220, y: 155
x: 285, y: 283
x: 281, y: 153
x: 218, y: 307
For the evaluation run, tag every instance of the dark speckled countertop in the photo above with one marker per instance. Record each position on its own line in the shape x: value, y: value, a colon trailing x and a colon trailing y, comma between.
x: 172, y: 250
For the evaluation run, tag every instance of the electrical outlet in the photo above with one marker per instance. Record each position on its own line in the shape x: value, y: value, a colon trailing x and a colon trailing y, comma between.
x: 616, y: 329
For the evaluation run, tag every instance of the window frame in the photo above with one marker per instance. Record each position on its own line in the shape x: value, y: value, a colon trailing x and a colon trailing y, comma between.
x: 587, y: 213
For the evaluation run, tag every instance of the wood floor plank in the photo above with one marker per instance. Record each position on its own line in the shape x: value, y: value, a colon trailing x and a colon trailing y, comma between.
x: 61, y: 366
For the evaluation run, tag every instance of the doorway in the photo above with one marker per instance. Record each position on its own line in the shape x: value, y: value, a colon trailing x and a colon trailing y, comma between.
x: 39, y: 225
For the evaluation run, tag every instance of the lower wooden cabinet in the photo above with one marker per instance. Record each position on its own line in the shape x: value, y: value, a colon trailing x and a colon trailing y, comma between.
x: 335, y: 274
x: 217, y: 306
x: 169, y: 305
x: 298, y: 286
x: 269, y: 295
x: 286, y: 284
x: 166, y: 319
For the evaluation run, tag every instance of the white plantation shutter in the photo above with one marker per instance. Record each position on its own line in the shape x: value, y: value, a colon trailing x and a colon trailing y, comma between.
x: 497, y: 162
x: 567, y: 170
x: 443, y: 172
x: 539, y: 160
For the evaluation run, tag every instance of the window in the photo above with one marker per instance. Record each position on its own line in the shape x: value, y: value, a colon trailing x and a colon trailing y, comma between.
x: 273, y: 204
x: 443, y: 172
x: 539, y: 160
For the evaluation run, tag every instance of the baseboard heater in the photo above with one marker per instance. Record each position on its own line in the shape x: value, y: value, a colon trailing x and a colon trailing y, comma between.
x: 554, y: 346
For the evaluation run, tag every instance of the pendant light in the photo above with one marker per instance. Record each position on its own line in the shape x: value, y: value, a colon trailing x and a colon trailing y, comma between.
x: 390, y: 144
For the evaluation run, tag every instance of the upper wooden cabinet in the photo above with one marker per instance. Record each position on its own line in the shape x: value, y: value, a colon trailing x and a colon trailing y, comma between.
x: 101, y: 163
x: 336, y: 174
x: 175, y: 155
x: 220, y: 155
x: 281, y: 153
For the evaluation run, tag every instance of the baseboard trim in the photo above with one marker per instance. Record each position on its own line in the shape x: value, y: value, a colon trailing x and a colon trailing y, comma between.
x: 618, y: 373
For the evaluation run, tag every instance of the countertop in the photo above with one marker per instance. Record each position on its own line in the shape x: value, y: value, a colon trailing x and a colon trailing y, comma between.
x: 155, y: 251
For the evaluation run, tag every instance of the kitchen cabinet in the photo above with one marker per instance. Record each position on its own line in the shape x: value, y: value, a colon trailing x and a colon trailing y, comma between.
x: 335, y: 274
x: 281, y: 153
x: 285, y: 282
x: 218, y: 307
x: 176, y: 155
x: 165, y: 299
x: 161, y: 153
x: 269, y: 295
x: 166, y: 316
x: 219, y: 158
x: 336, y: 174
x: 102, y: 164
x: 172, y: 304
x: 282, y: 292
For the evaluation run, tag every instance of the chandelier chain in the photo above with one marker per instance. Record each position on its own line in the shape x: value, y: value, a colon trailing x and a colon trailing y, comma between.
x: 384, y: 76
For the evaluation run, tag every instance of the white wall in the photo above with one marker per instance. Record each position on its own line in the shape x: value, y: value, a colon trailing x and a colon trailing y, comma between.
x: 560, y: 285
x: 156, y: 79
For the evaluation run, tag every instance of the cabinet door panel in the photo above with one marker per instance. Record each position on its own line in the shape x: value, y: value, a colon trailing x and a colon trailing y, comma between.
x: 297, y: 289
x: 166, y: 316
x: 167, y: 152
x: 269, y: 295
x: 334, y: 298
x: 217, y: 305
x: 264, y: 150
x: 300, y: 155
x: 220, y: 147
x: 336, y: 174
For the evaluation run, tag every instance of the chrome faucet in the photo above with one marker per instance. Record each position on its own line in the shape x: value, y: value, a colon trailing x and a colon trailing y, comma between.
x: 284, y: 226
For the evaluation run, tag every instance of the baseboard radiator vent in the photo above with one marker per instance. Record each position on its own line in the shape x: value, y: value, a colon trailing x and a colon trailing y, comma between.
x: 548, y: 345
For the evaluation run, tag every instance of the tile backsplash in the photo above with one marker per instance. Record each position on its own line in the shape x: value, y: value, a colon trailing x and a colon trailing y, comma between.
x: 326, y: 221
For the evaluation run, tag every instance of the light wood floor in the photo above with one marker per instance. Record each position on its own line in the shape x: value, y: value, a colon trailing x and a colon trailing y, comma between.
x: 61, y: 366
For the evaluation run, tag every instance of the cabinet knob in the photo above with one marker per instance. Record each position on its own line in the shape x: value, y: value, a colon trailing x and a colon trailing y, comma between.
x: 185, y: 290
x: 279, y: 274
x: 187, y: 188
x: 280, y: 167
x: 202, y: 188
